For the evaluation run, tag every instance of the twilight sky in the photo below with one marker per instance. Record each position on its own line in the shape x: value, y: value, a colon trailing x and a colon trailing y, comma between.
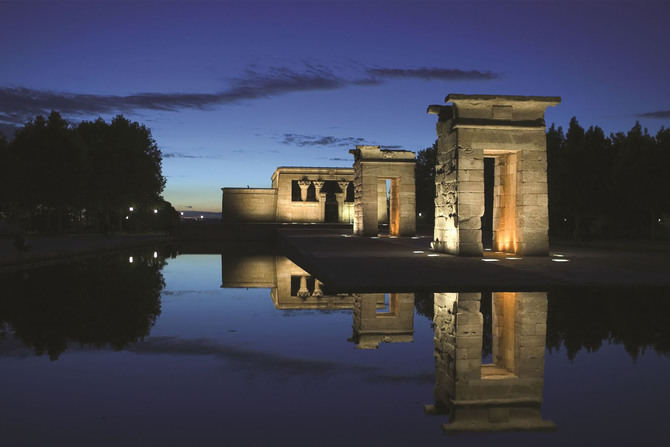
x: 231, y: 90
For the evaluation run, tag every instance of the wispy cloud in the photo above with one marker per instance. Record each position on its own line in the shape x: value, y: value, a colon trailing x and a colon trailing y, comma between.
x: 427, y: 73
x: 253, y: 360
x: 300, y: 140
x: 19, y: 104
x: 183, y: 155
x: 660, y: 114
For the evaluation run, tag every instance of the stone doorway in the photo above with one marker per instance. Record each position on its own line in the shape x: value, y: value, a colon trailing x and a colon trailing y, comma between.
x: 375, y: 171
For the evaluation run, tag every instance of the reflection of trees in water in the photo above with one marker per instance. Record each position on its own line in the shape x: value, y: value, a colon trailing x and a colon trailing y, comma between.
x: 99, y: 302
x: 637, y: 319
x: 585, y: 319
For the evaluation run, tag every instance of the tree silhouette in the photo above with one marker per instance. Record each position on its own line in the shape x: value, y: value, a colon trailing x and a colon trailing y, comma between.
x: 425, y: 183
x: 59, y: 177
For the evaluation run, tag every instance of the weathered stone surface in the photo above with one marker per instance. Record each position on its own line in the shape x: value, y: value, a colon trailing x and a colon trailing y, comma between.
x: 511, y: 130
x: 372, y: 167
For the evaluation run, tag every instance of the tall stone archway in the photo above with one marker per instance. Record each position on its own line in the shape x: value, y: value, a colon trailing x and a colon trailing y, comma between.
x: 372, y: 166
x: 510, y: 129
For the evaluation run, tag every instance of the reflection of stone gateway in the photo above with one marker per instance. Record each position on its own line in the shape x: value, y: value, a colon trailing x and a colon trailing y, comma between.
x: 503, y: 395
x: 373, y: 325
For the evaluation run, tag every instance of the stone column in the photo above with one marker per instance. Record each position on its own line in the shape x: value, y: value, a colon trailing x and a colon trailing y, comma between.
x: 459, y: 193
x: 304, y: 185
x: 321, y: 197
x: 318, y: 185
x: 317, y: 289
x: 341, y: 197
x: 303, y: 292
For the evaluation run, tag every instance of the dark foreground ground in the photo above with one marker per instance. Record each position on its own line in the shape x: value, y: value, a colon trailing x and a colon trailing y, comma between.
x: 350, y: 263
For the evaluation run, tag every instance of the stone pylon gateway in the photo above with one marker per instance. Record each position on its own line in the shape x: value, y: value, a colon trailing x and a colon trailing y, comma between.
x: 510, y: 129
x: 372, y: 167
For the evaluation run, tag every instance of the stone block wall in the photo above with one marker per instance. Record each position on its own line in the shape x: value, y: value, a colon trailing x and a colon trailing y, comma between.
x: 249, y: 204
x: 372, y: 166
x: 510, y: 129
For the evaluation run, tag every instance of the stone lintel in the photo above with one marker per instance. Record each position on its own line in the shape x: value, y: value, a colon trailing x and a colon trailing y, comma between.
x: 376, y: 153
x: 444, y: 112
x: 503, y: 99
x: 477, y: 123
x: 251, y: 190
x: 314, y: 172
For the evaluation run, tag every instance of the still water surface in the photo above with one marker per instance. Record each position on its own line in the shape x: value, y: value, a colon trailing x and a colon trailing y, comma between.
x: 251, y: 350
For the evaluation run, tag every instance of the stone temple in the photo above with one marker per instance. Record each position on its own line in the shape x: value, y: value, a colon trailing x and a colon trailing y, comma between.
x: 511, y: 130
x: 380, y: 187
x: 357, y: 195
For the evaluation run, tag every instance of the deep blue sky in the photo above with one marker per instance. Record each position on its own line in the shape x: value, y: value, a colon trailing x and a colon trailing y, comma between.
x: 231, y: 90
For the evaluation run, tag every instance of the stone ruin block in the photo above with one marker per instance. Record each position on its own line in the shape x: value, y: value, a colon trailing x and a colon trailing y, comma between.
x: 510, y: 129
x: 373, y: 165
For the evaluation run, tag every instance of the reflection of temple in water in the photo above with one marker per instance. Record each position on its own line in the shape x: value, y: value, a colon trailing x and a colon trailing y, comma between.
x: 392, y: 323
x: 378, y: 317
x: 505, y: 394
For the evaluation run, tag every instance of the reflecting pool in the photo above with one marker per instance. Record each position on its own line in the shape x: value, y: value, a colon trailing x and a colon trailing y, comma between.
x: 152, y: 348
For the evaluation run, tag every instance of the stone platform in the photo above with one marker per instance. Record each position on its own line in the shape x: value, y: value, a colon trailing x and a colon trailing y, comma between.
x: 348, y: 263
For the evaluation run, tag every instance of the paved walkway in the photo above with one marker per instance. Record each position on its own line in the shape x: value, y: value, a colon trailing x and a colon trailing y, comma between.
x: 348, y: 263
x: 55, y: 248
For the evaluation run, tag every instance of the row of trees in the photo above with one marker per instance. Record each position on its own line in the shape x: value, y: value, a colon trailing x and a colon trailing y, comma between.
x: 57, y: 177
x: 599, y: 186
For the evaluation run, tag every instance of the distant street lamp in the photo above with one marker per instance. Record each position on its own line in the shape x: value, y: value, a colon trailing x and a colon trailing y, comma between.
x: 155, y: 211
x: 131, y: 209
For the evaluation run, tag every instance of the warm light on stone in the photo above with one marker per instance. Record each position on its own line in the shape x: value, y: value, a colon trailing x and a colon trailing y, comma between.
x: 510, y: 129
x: 373, y: 166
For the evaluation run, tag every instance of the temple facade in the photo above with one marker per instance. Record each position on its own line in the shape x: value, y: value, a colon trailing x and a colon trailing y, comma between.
x: 298, y: 194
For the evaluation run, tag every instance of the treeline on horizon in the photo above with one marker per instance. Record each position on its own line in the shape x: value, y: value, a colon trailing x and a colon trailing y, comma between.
x: 600, y: 186
x: 58, y: 177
